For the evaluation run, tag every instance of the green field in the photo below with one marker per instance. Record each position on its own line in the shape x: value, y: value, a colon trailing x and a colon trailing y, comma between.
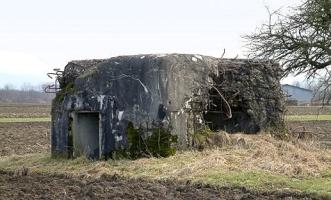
x: 308, y: 118
x: 25, y: 119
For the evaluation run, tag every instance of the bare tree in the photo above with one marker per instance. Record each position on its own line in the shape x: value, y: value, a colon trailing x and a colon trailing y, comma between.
x: 296, y: 83
x: 8, y: 86
x: 27, y: 87
x: 27, y: 94
x: 322, y: 88
x: 300, y: 41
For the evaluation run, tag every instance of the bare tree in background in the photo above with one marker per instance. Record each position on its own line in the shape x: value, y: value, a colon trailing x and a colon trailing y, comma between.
x: 296, y: 83
x: 8, y: 87
x: 300, y: 41
x: 27, y: 87
x: 28, y: 93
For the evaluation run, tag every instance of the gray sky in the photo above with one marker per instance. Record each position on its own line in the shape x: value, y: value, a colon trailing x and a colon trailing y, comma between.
x: 39, y: 35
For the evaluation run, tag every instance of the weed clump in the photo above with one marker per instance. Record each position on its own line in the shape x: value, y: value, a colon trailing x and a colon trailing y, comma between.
x: 63, y: 92
x: 206, y: 138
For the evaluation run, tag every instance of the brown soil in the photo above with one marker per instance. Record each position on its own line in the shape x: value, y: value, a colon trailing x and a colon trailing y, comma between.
x: 43, y: 186
x: 321, y: 130
x: 24, y: 138
x: 24, y: 110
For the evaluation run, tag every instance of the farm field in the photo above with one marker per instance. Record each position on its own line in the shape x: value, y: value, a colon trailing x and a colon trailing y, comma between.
x: 43, y: 186
x: 25, y: 110
x: 315, y: 120
x: 24, y: 138
x: 308, y: 110
x: 247, y: 167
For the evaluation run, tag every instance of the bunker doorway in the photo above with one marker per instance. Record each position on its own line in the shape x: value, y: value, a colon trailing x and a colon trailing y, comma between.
x: 86, y: 136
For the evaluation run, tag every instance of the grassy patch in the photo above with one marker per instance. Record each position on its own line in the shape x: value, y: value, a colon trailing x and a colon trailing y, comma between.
x: 258, y: 162
x: 25, y: 119
x: 267, y: 181
x: 308, y: 117
x: 182, y: 166
x: 23, y: 115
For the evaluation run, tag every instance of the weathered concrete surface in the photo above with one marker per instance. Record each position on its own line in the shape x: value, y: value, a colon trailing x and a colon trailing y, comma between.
x: 173, y: 92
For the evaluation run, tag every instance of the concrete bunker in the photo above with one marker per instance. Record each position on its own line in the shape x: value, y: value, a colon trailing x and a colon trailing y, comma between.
x: 135, y: 105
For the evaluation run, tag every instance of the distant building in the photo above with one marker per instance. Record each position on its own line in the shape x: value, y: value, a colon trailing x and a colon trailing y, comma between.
x: 297, y: 94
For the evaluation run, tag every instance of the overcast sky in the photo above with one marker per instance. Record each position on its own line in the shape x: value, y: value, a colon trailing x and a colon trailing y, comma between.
x: 39, y: 35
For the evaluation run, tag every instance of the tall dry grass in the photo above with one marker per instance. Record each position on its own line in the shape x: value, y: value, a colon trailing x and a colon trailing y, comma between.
x: 293, y: 157
x: 233, y: 152
x: 230, y: 153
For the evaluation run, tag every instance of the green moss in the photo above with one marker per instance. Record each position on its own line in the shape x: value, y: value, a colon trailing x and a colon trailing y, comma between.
x: 119, y: 154
x: 59, y: 156
x: 134, y: 141
x: 61, y: 94
x: 158, y: 144
x: 89, y: 72
x: 200, y: 137
x: 206, y: 138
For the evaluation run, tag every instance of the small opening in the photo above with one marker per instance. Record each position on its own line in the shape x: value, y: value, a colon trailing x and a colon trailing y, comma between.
x: 86, y: 135
x: 162, y: 112
x: 216, y: 117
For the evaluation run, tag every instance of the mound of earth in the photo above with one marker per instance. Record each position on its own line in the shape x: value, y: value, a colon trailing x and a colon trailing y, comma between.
x: 44, y: 186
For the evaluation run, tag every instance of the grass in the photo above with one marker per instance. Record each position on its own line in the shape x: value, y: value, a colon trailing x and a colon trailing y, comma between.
x: 168, y: 169
x: 268, y: 181
x: 287, y: 118
x: 259, y: 163
x: 25, y: 119
x: 308, y: 117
